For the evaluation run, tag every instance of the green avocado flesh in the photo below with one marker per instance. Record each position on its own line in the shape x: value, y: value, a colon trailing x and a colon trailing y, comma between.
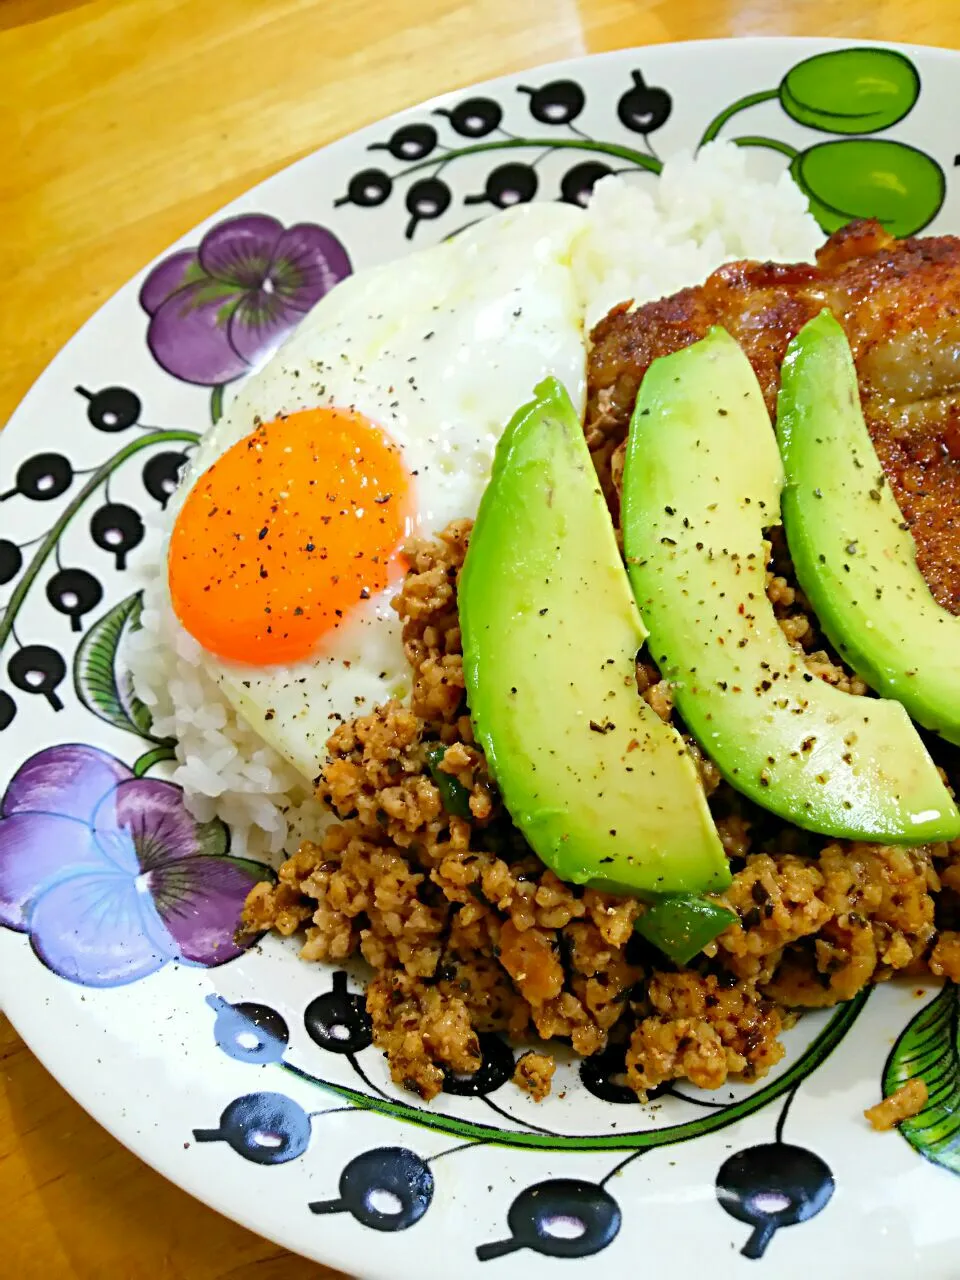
x: 702, y: 480
x: 604, y: 792
x: 855, y: 557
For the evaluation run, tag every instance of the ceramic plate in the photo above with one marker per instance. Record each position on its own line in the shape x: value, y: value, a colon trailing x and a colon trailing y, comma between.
x: 248, y: 1077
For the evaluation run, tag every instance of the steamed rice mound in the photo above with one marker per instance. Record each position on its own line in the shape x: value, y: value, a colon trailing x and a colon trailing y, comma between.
x: 468, y: 932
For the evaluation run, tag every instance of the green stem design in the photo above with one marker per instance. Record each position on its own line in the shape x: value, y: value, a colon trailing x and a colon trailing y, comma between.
x: 216, y: 403
x: 638, y: 158
x: 770, y: 144
x: 751, y: 100
x: 149, y: 758
x: 57, y: 530
x: 812, y: 1057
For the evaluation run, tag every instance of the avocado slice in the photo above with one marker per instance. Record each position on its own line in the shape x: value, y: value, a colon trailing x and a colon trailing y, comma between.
x: 855, y: 557
x: 702, y: 480
x: 603, y: 790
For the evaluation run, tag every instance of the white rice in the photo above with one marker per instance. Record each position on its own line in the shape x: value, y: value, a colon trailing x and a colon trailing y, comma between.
x: 642, y: 240
x: 646, y: 239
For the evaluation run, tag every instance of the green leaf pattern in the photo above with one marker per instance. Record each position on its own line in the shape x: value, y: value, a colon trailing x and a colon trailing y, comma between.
x: 101, y: 684
x: 929, y: 1050
x: 850, y: 93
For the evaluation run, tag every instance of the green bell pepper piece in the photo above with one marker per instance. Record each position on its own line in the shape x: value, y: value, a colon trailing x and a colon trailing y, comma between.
x: 455, y: 796
x: 682, y: 924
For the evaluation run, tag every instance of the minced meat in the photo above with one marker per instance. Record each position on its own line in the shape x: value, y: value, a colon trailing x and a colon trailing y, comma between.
x: 534, y: 1074
x: 909, y: 1100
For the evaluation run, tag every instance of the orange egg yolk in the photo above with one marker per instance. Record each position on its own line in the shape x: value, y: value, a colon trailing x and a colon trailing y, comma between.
x: 287, y: 533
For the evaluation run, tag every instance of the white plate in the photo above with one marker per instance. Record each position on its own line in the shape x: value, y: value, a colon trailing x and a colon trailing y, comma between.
x: 283, y: 1130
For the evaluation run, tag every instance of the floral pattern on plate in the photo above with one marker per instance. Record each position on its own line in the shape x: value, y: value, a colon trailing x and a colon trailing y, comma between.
x: 110, y: 875
x: 221, y: 309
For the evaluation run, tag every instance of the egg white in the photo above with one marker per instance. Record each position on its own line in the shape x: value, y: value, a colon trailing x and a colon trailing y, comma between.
x: 439, y: 349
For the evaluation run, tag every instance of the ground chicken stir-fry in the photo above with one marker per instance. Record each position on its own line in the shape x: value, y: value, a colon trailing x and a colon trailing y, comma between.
x: 468, y: 932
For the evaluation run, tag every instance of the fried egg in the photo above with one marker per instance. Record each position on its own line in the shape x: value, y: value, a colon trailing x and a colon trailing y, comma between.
x: 376, y: 420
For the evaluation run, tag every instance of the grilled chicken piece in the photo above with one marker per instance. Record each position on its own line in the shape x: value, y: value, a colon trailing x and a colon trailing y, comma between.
x: 899, y: 302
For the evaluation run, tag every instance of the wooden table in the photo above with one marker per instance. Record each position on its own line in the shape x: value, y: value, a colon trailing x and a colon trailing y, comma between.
x: 131, y: 120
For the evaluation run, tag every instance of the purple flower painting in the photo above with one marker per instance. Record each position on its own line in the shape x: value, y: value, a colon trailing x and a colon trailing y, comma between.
x: 110, y: 875
x: 220, y: 309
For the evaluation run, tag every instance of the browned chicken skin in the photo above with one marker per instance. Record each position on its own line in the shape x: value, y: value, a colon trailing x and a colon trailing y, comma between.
x: 899, y: 302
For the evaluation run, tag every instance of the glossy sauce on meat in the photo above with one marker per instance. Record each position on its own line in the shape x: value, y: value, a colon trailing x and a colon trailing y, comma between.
x: 899, y: 302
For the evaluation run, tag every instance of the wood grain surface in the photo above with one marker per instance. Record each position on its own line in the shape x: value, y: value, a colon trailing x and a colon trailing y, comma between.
x: 125, y: 122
